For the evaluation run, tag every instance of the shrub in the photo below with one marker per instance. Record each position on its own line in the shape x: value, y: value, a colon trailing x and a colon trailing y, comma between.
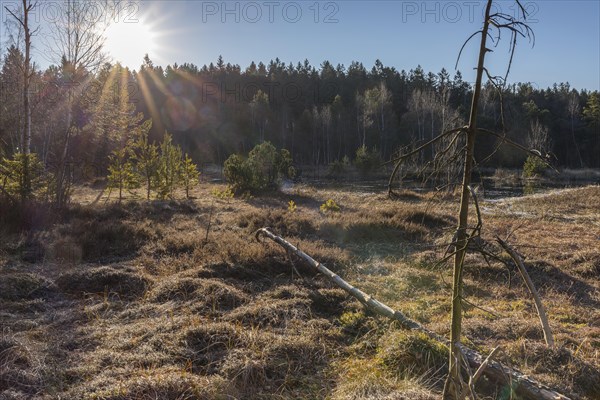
x: 161, y: 168
x: 262, y: 170
x: 330, y: 205
x: 262, y: 161
x: 367, y: 161
x: 284, y: 164
x: 168, y: 173
x: 120, y: 172
x: 189, y: 175
x: 237, y: 173
x: 339, y: 167
x: 13, y: 178
x: 533, y: 167
x: 225, y: 194
x: 292, y: 207
x: 145, y: 157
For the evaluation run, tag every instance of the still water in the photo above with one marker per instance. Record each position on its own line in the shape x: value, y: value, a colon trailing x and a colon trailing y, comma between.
x: 488, y: 188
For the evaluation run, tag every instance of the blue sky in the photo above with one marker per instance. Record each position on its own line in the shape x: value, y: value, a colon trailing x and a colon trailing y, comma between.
x: 402, y: 34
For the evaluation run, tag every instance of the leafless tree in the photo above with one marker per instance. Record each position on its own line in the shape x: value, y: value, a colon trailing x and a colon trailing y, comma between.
x: 326, y: 119
x: 364, y: 107
x: 76, y: 42
x: 77, y: 35
x: 538, y: 137
x: 574, y: 110
x: 25, y: 143
x: 494, y: 25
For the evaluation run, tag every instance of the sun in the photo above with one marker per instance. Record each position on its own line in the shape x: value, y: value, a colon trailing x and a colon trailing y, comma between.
x: 129, y: 42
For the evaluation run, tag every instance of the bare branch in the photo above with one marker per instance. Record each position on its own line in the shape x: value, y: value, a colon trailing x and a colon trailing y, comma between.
x: 400, y: 159
x: 536, y: 297
x: 463, y: 46
x: 531, y: 152
x: 495, y: 371
x: 484, y: 365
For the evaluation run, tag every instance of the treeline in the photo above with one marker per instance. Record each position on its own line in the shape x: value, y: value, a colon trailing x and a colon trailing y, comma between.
x: 321, y: 115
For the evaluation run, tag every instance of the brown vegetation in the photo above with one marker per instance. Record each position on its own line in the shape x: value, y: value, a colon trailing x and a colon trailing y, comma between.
x: 131, y: 302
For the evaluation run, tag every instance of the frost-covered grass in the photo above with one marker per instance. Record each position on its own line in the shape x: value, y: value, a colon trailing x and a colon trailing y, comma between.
x: 131, y: 301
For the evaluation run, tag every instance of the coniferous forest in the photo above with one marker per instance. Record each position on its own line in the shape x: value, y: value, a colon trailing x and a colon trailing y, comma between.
x: 321, y: 114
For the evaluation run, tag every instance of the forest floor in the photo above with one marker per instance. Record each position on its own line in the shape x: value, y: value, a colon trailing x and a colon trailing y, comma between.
x: 140, y: 300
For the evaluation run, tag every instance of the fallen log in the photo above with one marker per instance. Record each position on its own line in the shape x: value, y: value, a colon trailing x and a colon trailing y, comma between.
x: 521, y: 385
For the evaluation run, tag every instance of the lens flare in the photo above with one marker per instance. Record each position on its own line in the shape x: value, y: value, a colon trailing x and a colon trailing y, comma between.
x: 128, y: 42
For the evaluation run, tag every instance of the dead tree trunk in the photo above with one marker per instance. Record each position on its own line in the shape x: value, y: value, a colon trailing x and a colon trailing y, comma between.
x: 524, y: 386
x: 454, y: 386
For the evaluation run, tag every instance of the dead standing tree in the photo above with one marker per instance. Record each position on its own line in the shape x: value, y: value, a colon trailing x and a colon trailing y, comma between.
x: 494, y: 24
x: 455, y: 144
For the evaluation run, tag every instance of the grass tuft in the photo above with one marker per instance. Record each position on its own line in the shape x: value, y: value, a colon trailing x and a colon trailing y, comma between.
x: 124, y: 282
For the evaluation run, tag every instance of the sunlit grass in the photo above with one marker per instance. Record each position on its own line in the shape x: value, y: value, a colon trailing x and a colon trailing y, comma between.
x: 142, y: 303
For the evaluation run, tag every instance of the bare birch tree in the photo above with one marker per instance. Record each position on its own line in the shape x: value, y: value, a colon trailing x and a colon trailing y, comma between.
x: 28, y: 71
x: 76, y: 42
x: 574, y: 111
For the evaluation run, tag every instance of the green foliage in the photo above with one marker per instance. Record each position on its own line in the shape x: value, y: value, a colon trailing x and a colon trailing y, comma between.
x: 339, y: 167
x: 262, y: 170
x: 168, y: 173
x: 237, y: 173
x: 285, y: 166
x: 367, y: 161
x: 292, y: 207
x: 330, y: 206
x: 350, y: 320
x: 189, y: 175
x: 591, y: 112
x: 225, y: 194
x: 533, y: 167
x: 161, y: 168
x: 16, y: 183
x: 262, y: 162
x: 145, y: 157
x: 121, y: 174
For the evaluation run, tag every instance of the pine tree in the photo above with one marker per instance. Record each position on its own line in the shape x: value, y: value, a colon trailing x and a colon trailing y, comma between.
x: 16, y: 175
x: 168, y: 174
x: 120, y: 171
x: 189, y: 175
x: 591, y: 112
x: 145, y: 156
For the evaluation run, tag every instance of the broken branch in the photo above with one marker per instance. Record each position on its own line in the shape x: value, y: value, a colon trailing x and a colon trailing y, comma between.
x: 524, y: 386
x: 548, y: 337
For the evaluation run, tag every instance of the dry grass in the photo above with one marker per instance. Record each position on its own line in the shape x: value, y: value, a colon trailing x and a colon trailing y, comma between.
x: 131, y: 302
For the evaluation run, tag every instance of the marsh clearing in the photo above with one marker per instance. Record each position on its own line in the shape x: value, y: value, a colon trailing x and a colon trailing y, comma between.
x: 129, y: 301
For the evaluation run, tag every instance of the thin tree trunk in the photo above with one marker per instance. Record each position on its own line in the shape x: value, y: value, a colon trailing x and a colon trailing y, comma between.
x: 453, y: 389
x: 26, y: 188
x: 575, y: 142
x: 61, y: 176
x: 25, y: 137
x: 27, y: 81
